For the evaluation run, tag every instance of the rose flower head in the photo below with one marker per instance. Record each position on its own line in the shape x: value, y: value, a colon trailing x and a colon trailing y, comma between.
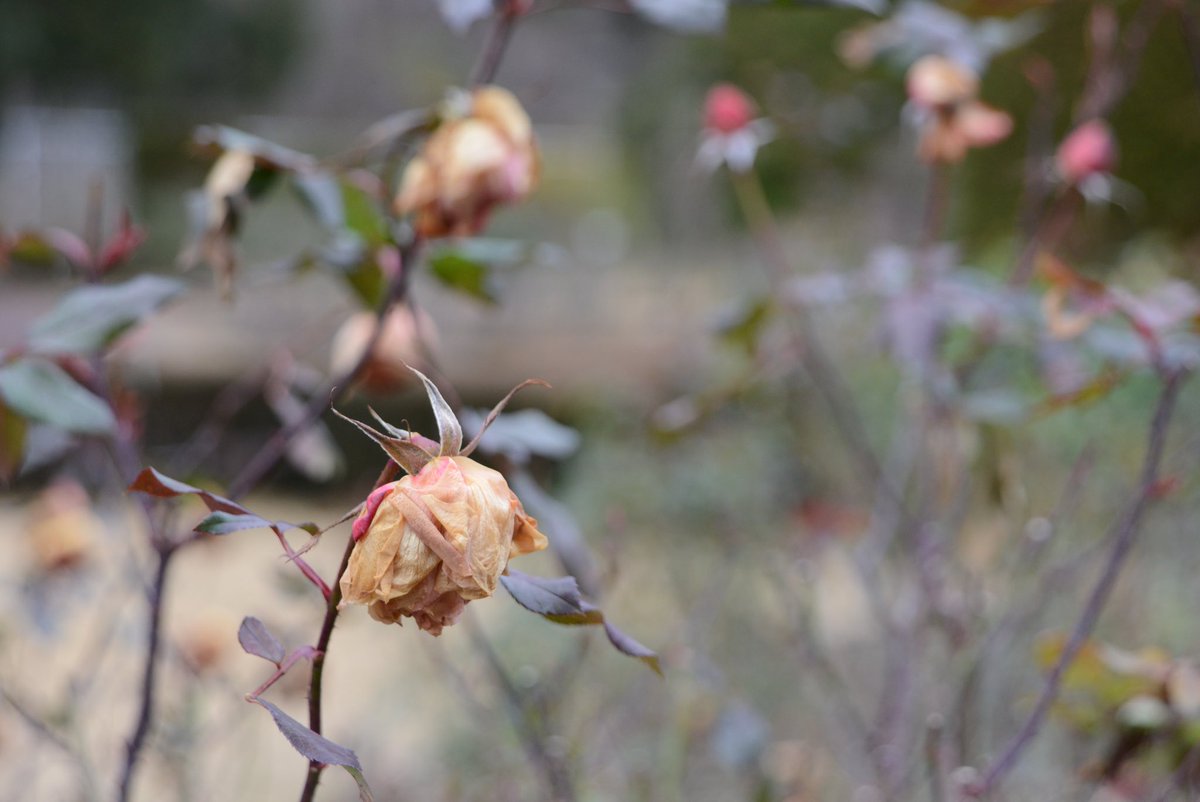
x: 732, y: 134
x: 442, y: 535
x: 953, y: 120
x: 1090, y: 150
x: 399, y: 345
x: 481, y: 155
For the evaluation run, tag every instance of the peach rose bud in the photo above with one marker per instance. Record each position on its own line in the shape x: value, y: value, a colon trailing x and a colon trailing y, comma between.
x: 469, y: 165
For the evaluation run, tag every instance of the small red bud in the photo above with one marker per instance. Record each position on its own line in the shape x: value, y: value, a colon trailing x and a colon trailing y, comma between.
x: 727, y: 109
x: 1089, y: 150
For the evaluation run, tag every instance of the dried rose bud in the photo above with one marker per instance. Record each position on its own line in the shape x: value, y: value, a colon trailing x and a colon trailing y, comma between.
x: 398, y: 347
x: 441, y: 536
x: 732, y: 135
x: 62, y: 527
x: 727, y: 109
x: 206, y: 640
x: 954, y: 119
x: 948, y: 136
x: 936, y: 82
x: 1089, y: 150
x: 469, y: 165
x: 435, y: 541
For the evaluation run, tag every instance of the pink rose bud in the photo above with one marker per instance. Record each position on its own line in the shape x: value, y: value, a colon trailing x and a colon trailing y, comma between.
x: 727, y: 109
x: 1089, y: 150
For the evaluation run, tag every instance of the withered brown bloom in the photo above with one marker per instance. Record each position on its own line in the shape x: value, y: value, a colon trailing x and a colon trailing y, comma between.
x: 438, y: 538
x: 955, y: 119
x: 470, y: 164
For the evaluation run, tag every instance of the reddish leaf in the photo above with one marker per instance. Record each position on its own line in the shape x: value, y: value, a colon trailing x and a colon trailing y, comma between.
x: 121, y: 246
x: 153, y: 483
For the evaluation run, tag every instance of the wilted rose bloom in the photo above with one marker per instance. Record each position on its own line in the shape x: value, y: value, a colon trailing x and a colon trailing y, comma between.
x: 398, y: 347
x: 1089, y: 150
x: 62, y: 527
x: 954, y: 119
x: 469, y: 165
x: 433, y: 541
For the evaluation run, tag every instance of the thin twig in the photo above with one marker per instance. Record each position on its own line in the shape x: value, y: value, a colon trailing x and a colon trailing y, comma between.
x: 558, y: 779
x: 1123, y: 536
x: 498, y: 37
x: 149, y: 671
x: 271, y: 452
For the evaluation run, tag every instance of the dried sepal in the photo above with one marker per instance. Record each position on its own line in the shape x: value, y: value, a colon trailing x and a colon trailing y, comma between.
x: 450, y: 434
x: 407, y: 454
x: 495, y: 413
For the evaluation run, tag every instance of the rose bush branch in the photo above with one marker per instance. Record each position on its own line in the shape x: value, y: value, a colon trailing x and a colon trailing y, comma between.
x: 1122, y: 538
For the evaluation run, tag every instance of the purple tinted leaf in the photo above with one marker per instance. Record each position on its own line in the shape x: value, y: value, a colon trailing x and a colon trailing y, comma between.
x: 556, y: 599
x: 308, y: 743
x: 257, y: 640
x: 559, y: 601
x: 629, y: 646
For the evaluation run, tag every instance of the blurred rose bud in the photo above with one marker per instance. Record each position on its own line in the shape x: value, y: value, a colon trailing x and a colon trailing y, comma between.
x: 398, y: 347
x: 936, y: 81
x: 727, y: 109
x: 62, y: 527
x: 206, y: 640
x: 954, y: 119
x: 433, y: 541
x: 470, y: 164
x: 1089, y: 150
x: 732, y: 135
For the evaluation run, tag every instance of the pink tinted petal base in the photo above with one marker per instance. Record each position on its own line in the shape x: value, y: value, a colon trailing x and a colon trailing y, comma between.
x: 363, y: 522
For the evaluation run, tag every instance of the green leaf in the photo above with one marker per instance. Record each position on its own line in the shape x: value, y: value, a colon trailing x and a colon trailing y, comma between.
x: 89, y: 318
x: 317, y: 747
x: 13, y: 429
x: 468, y: 276
x: 222, y: 523
x: 41, y: 391
x: 362, y: 215
x: 742, y: 326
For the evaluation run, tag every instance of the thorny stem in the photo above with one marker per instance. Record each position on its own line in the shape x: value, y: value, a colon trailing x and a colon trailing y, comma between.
x: 1123, y: 536
x: 318, y: 664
